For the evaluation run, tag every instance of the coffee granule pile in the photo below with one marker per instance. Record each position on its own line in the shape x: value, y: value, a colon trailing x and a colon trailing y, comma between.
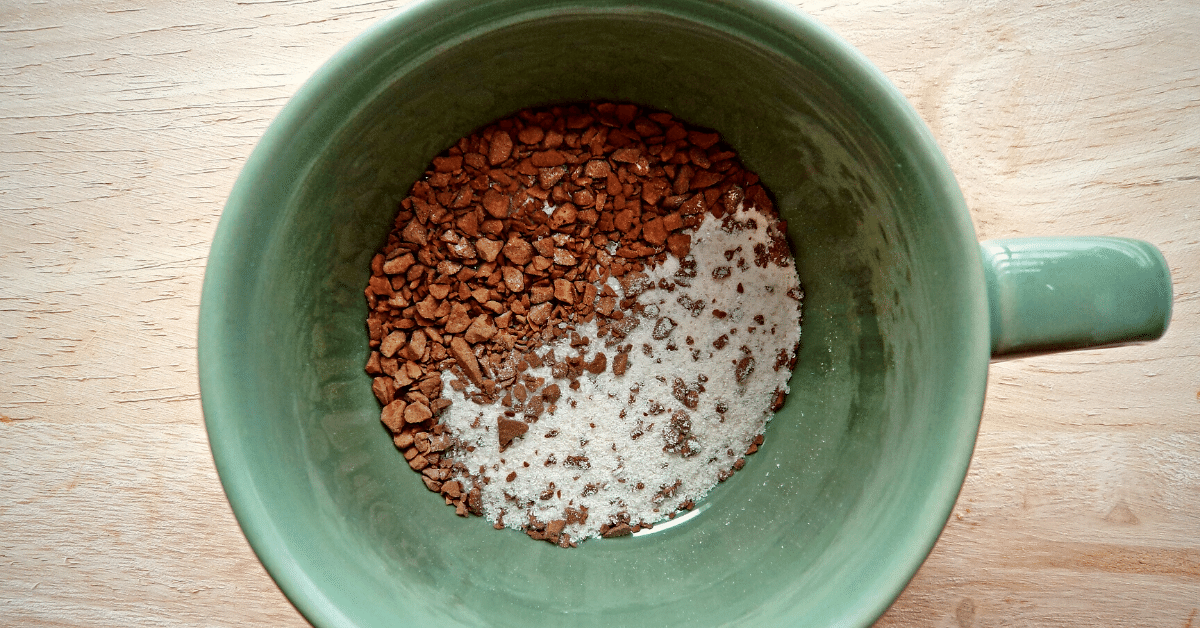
x: 582, y: 320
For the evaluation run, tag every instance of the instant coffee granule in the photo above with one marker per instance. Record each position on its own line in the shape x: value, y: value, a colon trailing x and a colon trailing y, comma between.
x: 582, y: 321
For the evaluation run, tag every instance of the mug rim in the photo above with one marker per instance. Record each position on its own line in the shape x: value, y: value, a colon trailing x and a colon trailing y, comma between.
x: 221, y: 411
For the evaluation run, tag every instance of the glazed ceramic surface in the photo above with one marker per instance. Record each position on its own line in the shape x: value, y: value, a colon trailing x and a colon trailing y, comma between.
x: 824, y: 526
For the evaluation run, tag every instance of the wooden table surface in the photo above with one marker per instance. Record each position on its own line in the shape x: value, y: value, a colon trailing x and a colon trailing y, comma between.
x: 124, y: 124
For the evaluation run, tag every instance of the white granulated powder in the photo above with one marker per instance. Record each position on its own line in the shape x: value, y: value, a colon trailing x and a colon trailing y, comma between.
x: 708, y: 353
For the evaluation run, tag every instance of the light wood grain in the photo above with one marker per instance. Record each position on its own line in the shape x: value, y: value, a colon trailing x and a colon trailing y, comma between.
x: 123, y: 126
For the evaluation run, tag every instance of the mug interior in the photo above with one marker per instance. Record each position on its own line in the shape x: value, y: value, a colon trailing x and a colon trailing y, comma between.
x: 859, y: 471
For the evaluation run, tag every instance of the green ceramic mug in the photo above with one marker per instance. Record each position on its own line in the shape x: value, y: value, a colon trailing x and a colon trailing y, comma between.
x: 861, y: 468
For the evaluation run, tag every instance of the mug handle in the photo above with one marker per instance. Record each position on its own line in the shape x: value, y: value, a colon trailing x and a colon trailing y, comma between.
x: 1057, y: 293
